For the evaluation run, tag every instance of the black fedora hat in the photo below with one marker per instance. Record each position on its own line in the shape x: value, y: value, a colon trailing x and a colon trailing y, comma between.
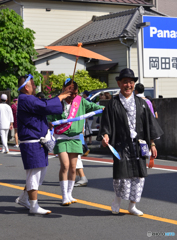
x: 126, y: 73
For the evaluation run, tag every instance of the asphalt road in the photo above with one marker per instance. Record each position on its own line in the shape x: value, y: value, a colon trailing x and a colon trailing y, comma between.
x: 91, y: 217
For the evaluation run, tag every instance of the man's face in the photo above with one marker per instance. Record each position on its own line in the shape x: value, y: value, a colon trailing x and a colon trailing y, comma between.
x: 31, y: 88
x: 73, y: 94
x: 126, y: 86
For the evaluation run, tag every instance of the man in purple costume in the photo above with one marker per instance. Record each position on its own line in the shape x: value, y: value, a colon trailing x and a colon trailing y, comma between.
x: 139, y: 91
x: 32, y: 125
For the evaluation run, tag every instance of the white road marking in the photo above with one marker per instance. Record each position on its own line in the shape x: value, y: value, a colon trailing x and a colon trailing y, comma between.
x: 101, y: 162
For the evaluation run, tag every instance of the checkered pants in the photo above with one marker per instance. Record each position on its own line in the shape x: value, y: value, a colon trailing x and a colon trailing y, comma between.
x: 129, y: 189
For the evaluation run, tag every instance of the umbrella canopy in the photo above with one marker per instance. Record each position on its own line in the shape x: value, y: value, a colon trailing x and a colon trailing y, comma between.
x: 78, y: 51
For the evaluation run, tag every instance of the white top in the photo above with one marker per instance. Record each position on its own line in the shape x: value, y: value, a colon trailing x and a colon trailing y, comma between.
x: 6, y: 116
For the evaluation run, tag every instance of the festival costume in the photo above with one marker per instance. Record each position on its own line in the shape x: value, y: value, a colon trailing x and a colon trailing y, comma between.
x: 125, y: 121
x: 68, y: 138
x: 6, y: 117
x: 71, y: 142
x: 147, y: 101
x: 14, y: 110
x: 32, y: 125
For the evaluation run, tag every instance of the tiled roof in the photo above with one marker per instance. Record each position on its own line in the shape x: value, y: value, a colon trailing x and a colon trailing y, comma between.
x: 124, y: 2
x: 104, y: 28
x: 127, y: 2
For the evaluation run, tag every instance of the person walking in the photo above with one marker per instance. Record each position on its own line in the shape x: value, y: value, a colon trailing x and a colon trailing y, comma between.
x: 125, y: 123
x: 6, y: 122
x: 32, y: 125
x: 69, y: 145
x: 139, y: 91
x: 14, y: 110
x: 88, y: 122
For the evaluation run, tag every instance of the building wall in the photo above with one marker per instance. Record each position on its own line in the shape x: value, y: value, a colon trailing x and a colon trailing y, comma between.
x: 169, y: 7
x: 166, y: 86
x: 116, y: 52
x: 60, y: 63
x: 63, y: 18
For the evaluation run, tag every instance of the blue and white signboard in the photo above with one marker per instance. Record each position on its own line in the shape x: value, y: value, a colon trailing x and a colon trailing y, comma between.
x: 160, y: 47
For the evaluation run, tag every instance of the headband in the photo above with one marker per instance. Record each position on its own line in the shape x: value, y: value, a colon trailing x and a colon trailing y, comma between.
x: 29, y: 77
x: 67, y: 80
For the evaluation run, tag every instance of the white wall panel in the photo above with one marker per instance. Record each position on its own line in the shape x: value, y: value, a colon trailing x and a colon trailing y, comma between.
x: 62, y: 19
x: 60, y: 63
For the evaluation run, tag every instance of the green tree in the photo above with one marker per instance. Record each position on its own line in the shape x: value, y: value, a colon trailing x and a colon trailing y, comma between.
x: 16, y: 51
x: 82, y: 78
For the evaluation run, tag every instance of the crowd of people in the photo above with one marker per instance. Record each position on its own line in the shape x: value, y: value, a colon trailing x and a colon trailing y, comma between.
x: 127, y: 121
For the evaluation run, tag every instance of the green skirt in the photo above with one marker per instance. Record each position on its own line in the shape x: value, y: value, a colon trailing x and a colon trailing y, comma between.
x: 69, y: 146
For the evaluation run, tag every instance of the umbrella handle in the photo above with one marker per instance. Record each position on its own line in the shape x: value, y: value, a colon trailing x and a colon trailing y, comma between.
x: 75, y: 68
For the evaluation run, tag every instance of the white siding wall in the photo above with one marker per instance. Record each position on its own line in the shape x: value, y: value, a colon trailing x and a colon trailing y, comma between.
x: 167, y: 7
x: 116, y: 52
x: 60, y: 63
x: 167, y: 87
x: 63, y: 18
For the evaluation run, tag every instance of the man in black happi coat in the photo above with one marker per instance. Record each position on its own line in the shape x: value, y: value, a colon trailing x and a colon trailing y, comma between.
x: 126, y: 120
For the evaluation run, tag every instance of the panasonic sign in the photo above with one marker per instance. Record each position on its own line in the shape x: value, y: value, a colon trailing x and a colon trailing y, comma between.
x: 162, y: 33
x: 160, y: 47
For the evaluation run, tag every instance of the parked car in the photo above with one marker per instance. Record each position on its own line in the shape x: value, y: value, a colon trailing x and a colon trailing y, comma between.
x: 94, y: 97
x: 149, y: 92
x: 94, y: 94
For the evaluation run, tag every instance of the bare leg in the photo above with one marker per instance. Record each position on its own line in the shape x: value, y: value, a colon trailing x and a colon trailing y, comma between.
x: 72, y: 166
x: 16, y: 136
x: 80, y: 172
x: 32, y: 194
x: 71, y: 175
x: 64, y: 166
x: 63, y: 177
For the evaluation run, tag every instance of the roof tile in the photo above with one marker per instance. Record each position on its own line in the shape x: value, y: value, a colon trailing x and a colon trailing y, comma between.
x: 134, y: 2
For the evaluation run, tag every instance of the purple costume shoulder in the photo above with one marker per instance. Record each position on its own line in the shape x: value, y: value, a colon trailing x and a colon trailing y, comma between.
x: 32, y: 125
x: 150, y: 106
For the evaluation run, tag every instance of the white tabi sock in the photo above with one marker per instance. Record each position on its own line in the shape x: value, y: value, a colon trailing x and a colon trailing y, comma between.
x: 64, y: 189
x: 23, y: 200
x: 70, y: 189
x: 34, y: 208
x: 133, y: 210
x: 116, y: 205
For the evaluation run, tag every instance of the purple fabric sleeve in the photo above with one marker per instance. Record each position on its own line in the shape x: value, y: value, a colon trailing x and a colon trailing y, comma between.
x: 150, y: 106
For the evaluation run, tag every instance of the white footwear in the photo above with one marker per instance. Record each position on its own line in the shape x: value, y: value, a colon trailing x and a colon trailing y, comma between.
x: 82, y: 182
x: 64, y: 188
x: 116, y: 205
x: 2, y: 151
x: 70, y: 189
x: 133, y: 210
x: 23, y: 200
x: 34, y: 208
x: 16, y: 146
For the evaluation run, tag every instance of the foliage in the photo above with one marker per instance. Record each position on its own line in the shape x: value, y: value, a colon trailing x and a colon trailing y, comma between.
x: 82, y: 78
x: 16, y: 51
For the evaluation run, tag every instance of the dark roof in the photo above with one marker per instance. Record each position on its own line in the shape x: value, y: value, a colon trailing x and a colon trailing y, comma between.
x: 109, y: 27
x: 123, y: 2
